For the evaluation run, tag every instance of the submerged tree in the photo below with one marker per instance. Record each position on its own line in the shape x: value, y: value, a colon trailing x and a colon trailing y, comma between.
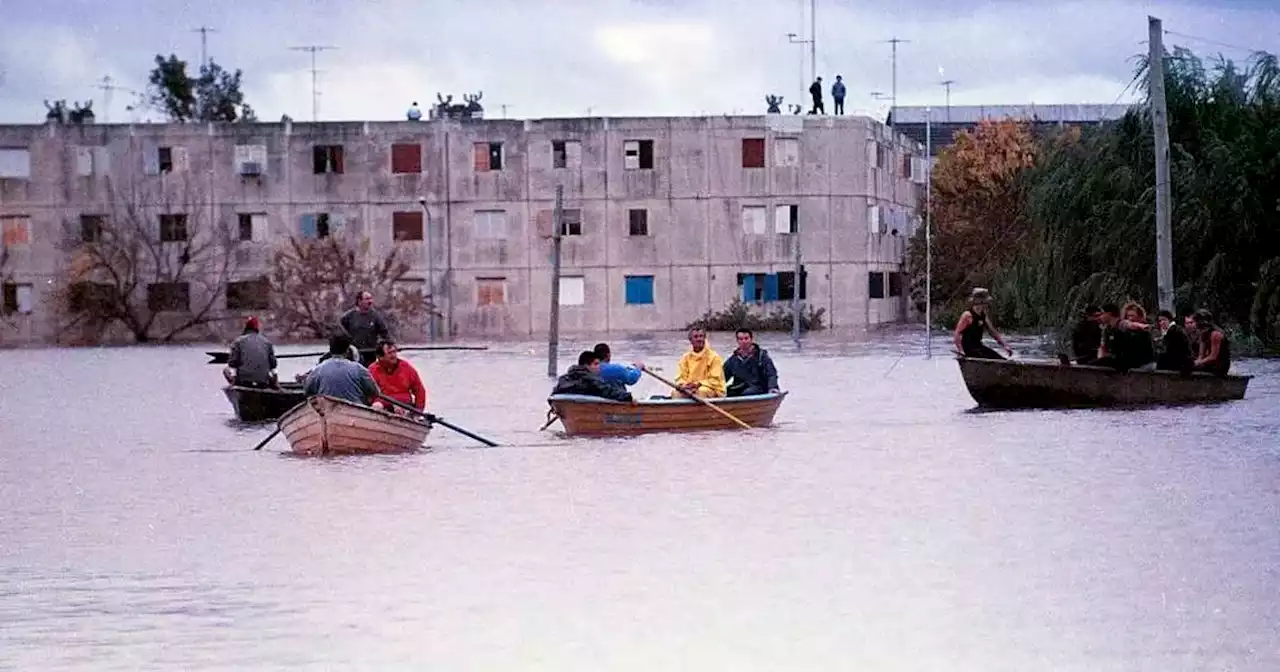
x: 313, y: 281
x: 214, y: 95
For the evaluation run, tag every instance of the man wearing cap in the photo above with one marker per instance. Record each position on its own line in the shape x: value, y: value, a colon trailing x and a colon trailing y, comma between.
x: 253, y: 359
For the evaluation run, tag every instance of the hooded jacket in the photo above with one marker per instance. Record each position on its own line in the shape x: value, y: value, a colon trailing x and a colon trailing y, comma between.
x: 579, y: 379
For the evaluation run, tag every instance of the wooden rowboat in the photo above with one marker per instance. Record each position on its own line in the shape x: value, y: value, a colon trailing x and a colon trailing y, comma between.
x: 1051, y: 384
x: 592, y: 416
x: 253, y: 404
x: 329, y: 426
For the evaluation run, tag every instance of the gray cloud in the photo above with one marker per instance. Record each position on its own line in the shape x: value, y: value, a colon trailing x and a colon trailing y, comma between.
x: 616, y: 57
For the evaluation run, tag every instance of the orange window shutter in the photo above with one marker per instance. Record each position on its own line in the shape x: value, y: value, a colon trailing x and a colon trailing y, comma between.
x: 481, y: 152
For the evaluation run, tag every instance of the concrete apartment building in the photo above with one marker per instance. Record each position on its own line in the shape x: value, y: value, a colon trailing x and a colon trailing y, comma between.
x: 665, y: 218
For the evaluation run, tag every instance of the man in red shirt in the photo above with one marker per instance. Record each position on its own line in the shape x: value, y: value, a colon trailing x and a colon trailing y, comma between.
x: 397, y: 379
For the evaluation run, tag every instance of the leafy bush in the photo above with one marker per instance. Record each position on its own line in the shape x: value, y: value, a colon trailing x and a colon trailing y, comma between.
x: 740, y: 315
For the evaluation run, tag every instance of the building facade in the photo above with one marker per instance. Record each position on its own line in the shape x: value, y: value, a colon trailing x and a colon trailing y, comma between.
x: 664, y: 218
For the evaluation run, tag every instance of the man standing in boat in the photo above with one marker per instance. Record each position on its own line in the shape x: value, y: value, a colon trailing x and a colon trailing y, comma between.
x: 366, y: 327
x: 397, y: 379
x: 750, y: 368
x: 252, y: 362
x: 340, y: 377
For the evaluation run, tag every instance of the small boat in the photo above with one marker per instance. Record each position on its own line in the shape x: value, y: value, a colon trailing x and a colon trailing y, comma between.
x: 254, y: 404
x: 1011, y: 384
x: 592, y: 416
x: 329, y: 426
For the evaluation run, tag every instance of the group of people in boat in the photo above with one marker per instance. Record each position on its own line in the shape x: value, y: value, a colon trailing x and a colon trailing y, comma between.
x: 362, y: 366
x: 1117, y: 337
x: 701, y: 372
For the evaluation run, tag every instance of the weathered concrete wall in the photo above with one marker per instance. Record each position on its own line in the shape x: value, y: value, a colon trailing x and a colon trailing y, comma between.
x: 693, y: 196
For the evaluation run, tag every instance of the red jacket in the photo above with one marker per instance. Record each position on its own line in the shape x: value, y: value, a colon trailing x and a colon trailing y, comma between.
x: 400, y: 383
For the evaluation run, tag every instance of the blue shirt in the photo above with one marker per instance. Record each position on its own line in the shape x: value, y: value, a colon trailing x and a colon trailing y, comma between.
x: 341, y: 378
x: 621, y: 374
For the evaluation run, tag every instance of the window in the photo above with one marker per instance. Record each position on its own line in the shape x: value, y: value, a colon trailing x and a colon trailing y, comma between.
x: 91, y: 228
x: 173, y: 228
x: 168, y: 297
x: 761, y: 287
x: 407, y: 225
x: 15, y: 163
x: 753, y: 219
x: 875, y: 285
x: 488, y: 156
x: 638, y: 222
x: 164, y: 159
x: 787, y: 284
x: 327, y: 159
x: 571, y: 222
x: 91, y: 297
x: 251, y: 160
x: 874, y: 155
x: 252, y: 226
x: 252, y: 294
x: 908, y: 163
x: 92, y: 161
x: 753, y: 152
x: 490, y: 224
x: 316, y: 225
x: 491, y: 292
x: 895, y: 284
x: 639, y: 290
x: 786, y: 152
x: 406, y: 158
x: 875, y: 223
x: 637, y: 155
x: 786, y: 219
x: 566, y: 154
x: 17, y: 298
x: 573, y: 290
x: 15, y: 230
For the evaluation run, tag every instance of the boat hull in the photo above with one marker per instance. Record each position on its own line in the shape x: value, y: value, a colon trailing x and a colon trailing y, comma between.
x: 1011, y: 384
x: 251, y: 404
x: 329, y: 426
x: 593, y: 416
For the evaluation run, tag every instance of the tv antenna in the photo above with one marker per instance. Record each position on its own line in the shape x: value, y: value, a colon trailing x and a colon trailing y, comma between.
x: 108, y: 88
x: 313, y: 49
x: 204, y: 42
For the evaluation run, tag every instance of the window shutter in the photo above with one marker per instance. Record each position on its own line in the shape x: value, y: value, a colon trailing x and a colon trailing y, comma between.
x: 307, y: 226
x: 481, y: 157
x: 84, y: 161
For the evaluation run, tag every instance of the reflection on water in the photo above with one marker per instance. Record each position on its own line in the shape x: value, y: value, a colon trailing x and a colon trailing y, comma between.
x: 879, y: 526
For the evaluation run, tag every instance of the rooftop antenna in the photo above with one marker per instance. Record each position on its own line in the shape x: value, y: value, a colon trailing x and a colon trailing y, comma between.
x: 893, y: 93
x: 108, y: 88
x: 313, y: 49
x: 204, y: 43
x: 504, y: 107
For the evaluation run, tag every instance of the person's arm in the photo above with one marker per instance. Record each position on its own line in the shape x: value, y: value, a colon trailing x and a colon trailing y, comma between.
x: 1215, y: 344
x: 236, y: 357
x: 345, y: 322
x: 715, y: 380
x: 770, y: 373
x: 271, y: 356
x: 966, y: 318
x: 368, y: 386
x: 419, y: 390
x: 991, y: 328
x: 380, y: 327
x: 633, y: 373
x: 682, y: 371
x: 311, y: 386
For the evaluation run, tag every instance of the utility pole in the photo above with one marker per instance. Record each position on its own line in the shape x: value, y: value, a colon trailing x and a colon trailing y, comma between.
x: 795, y: 291
x: 813, y: 42
x: 893, y: 93
x: 204, y: 43
x: 313, y: 49
x: 431, y: 268
x: 106, y: 98
x: 1160, y: 127
x: 946, y: 84
x: 553, y: 332
x: 504, y: 107
x: 928, y: 233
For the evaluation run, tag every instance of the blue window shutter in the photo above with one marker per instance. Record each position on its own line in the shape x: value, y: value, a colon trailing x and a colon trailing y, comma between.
x: 771, y: 287
x: 307, y: 226
x: 639, y: 289
x: 749, y: 288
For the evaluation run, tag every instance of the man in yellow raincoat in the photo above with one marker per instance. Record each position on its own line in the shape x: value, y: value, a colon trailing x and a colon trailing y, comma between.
x: 701, y: 370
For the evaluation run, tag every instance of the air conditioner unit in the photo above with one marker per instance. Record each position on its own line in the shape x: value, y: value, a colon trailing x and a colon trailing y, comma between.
x: 251, y: 169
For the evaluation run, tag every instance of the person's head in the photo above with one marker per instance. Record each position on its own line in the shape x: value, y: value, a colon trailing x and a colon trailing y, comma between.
x: 1092, y: 313
x: 979, y: 300
x: 1164, y: 318
x: 819, y: 79
x: 602, y: 352
x: 745, y: 339
x: 589, y: 359
x: 388, y: 353
x: 339, y: 344
x: 1188, y: 323
x: 839, y: 78
x: 252, y: 325
x: 364, y: 300
x: 1202, y: 320
x: 1134, y: 312
x: 1110, y: 314
x: 697, y: 339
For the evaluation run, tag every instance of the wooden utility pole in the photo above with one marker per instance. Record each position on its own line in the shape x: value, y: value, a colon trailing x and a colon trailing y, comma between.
x: 928, y: 232
x: 795, y: 290
x: 553, y: 332
x: 1160, y: 127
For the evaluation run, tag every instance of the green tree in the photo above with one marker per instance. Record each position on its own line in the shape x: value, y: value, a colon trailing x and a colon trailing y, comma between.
x: 214, y: 95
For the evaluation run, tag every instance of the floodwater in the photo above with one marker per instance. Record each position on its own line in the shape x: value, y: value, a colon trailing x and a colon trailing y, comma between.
x: 881, y: 525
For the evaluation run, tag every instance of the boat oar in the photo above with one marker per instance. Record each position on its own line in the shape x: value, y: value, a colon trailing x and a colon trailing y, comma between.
x: 551, y: 417
x: 270, y: 436
x: 437, y: 420
x: 700, y: 400
x: 223, y: 357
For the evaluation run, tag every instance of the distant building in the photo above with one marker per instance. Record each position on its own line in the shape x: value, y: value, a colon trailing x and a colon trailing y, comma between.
x: 948, y: 120
x: 665, y: 218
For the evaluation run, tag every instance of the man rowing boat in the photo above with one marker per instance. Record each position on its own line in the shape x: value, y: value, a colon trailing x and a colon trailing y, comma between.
x: 340, y: 377
x: 252, y: 361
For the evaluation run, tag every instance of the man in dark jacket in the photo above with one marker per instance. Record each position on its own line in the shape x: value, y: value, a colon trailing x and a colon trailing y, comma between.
x: 1175, y: 345
x: 253, y: 359
x: 1087, y: 336
x: 750, y: 368
x: 366, y: 328
x: 584, y: 378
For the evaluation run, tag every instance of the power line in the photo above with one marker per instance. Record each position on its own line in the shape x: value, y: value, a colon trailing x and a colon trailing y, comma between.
x: 313, y: 49
x: 1227, y: 45
x: 204, y: 42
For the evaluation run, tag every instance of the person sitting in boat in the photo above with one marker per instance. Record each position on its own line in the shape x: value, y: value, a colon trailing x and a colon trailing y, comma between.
x: 366, y: 327
x: 973, y: 322
x: 252, y: 362
x: 749, y: 370
x: 340, y: 377
x: 1126, y: 339
x: 1086, y: 337
x: 616, y: 373
x: 397, y: 379
x: 1215, y: 348
x: 1175, y: 344
x: 584, y: 378
x: 701, y: 370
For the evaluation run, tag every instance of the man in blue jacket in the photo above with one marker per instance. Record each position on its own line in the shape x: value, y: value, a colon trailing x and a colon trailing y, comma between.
x: 614, y: 373
x: 750, y: 370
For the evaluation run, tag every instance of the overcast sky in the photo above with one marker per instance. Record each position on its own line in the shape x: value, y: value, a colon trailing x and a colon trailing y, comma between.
x: 612, y: 57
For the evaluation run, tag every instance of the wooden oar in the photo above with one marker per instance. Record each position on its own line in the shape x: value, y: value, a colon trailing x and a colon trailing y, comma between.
x: 270, y: 436
x: 700, y: 400
x: 223, y: 357
x: 437, y: 420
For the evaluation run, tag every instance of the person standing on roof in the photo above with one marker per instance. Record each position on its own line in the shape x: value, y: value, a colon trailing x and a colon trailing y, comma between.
x: 366, y: 327
x: 815, y: 90
x: 837, y: 95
